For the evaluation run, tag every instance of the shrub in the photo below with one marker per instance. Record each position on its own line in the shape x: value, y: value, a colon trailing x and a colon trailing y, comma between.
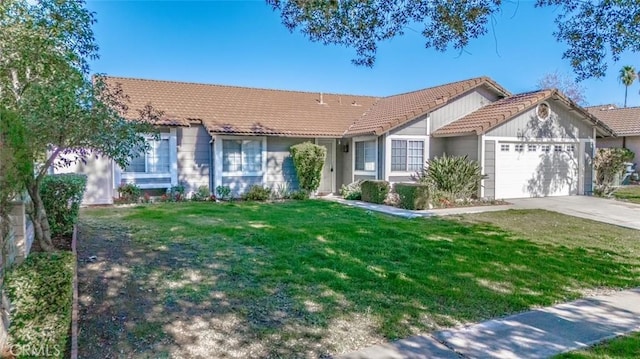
x: 41, y: 293
x: 609, y: 164
x: 412, y: 195
x: 374, y: 191
x: 202, y: 194
x: 257, y: 193
x: 282, y: 191
x: 129, y: 193
x: 61, y: 195
x: 308, y: 160
x: 223, y: 192
x: 175, y: 193
x: 300, y: 195
x: 452, y: 177
x: 351, y: 191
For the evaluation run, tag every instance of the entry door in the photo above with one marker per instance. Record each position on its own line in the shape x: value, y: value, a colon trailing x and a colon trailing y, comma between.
x: 327, y: 182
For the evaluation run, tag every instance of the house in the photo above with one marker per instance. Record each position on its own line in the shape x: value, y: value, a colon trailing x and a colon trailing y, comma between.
x: 625, y: 122
x: 532, y: 144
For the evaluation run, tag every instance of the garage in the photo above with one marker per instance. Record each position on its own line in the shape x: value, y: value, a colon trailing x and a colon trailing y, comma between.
x: 536, y: 169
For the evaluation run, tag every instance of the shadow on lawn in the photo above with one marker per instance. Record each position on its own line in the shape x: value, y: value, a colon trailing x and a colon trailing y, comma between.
x: 305, y: 279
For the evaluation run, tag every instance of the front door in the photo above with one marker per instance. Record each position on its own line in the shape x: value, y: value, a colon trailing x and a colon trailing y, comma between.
x: 328, y: 171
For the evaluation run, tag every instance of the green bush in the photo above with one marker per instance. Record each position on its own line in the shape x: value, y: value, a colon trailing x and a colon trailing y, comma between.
x: 452, y: 177
x: 41, y: 294
x: 308, y: 160
x: 61, y: 195
x: 175, y: 193
x: 129, y: 193
x: 374, y: 191
x: 351, y: 191
x: 257, y: 193
x: 300, y: 195
x: 202, y: 194
x: 412, y: 195
x: 223, y: 192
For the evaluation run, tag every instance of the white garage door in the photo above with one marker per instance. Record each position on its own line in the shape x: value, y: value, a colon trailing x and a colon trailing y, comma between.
x: 536, y: 169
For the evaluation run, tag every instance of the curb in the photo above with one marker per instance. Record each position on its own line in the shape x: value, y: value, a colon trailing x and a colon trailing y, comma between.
x: 74, y: 308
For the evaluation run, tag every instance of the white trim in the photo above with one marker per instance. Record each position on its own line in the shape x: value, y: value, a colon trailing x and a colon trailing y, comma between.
x: 481, y: 154
x: 353, y: 157
x: 425, y: 153
x: 173, y: 156
x: 119, y: 174
x: 514, y: 139
x: 219, y: 157
x: 134, y: 175
x: 333, y: 160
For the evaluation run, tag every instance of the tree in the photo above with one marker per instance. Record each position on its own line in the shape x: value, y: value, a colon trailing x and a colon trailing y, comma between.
x: 627, y: 75
x: 44, y: 80
x: 565, y: 84
x: 592, y: 29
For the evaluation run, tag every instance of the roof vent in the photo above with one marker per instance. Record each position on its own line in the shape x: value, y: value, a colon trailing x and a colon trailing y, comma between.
x: 354, y: 103
x: 321, y: 99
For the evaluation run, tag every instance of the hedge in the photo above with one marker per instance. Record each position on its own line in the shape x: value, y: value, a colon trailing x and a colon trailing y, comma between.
x: 308, y: 159
x: 61, y: 196
x: 412, y: 195
x: 374, y: 191
x: 41, y: 293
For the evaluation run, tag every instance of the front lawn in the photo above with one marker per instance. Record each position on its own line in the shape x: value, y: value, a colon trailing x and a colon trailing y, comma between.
x: 315, y: 278
x: 619, y: 348
x: 628, y: 193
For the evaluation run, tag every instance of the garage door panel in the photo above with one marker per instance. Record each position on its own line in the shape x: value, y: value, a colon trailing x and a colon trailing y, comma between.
x: 536, y: 170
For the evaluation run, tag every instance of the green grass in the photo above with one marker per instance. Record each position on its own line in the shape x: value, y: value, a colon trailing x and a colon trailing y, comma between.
x: 619, y: 348
x: 629, y: 194
x: 297, y: 271
x: 41, y: 293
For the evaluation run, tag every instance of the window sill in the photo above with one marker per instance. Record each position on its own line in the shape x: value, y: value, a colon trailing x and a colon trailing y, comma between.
x: 133, y: 175
x: 243, y: 174
x: 365, y: 173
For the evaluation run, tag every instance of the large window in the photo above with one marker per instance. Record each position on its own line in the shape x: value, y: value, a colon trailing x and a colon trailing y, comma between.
x: 407, y: 155
x: 242, y: 156
x: 365, y: 156
x: 154, y: 160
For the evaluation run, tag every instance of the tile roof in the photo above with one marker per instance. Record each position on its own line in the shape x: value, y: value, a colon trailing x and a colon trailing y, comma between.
x: 623, y: 121
x: 240, y: 110
x: 501, y: 111
x: 393, y: 111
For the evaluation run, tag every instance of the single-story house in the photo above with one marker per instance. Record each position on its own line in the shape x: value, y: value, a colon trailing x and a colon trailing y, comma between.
x: 532, y: 144
x: 625, y: 122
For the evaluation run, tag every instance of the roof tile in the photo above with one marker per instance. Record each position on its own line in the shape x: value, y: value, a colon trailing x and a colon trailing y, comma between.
x: 623, y: 121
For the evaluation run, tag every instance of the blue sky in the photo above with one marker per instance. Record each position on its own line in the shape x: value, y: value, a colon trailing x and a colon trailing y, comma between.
x: 243, y: 43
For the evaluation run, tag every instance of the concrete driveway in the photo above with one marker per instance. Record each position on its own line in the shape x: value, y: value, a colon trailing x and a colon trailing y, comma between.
x: 598, y: 209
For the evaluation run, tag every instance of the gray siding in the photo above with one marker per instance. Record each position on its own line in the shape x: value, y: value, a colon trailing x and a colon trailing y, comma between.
x: 362, y: 177
x: 489, y: 169
x: 193, y: 157
x: 416, y: 127
x: 462, y: 146
x: 561, y: 124
x: 400, y: 179
x: 381, y: 156
x: 346, y: 159
x: 462, y: 106
x: 240, y: 184
x: 436, y: 146
x: 280, y: 169
x: 588, y: 168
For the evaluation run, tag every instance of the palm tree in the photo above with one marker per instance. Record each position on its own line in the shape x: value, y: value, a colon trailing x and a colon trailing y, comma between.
x: 627, y: 76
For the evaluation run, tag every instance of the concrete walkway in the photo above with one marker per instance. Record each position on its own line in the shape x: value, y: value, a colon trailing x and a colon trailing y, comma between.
x: 536, y: 334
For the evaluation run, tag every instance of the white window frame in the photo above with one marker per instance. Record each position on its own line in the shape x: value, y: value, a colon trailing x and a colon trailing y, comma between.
x: 388, y: 142
x: 353, y: 156
x: 171, y: 177
x: 218, y: 159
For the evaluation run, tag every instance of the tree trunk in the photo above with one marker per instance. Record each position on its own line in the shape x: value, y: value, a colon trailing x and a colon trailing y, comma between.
x: 626, y: 88
x: 38, y: 216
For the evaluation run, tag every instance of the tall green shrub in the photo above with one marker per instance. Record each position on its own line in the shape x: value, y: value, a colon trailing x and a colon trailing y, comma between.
x: 452, y: 177
x: 374, y: 191
x: 308, y: 159
x: 609, y: 164
x: 61, y: 195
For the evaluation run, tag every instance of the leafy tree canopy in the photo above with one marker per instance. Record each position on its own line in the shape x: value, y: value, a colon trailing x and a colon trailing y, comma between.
x: 591, y: 29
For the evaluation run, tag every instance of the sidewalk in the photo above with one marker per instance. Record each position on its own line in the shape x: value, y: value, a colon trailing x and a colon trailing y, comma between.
x: 540, y: 333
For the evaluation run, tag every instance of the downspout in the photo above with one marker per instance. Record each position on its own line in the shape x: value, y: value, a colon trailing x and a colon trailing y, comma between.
x: 212, y: 169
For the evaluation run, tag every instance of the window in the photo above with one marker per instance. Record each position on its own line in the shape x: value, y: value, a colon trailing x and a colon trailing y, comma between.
x: 407, y: 155
x: 365, y: 155
x: 571, y: 148
x: 545, y: 148
x: 532, y: 148
x: 504, y: 147
x: 241, y: 155
x: 519, y: 148
x: 557, y: 148
x: 154, y: 160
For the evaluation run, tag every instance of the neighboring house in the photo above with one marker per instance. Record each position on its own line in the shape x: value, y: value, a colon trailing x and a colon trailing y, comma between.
x: 532, y: 144
x: 625, y: 122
